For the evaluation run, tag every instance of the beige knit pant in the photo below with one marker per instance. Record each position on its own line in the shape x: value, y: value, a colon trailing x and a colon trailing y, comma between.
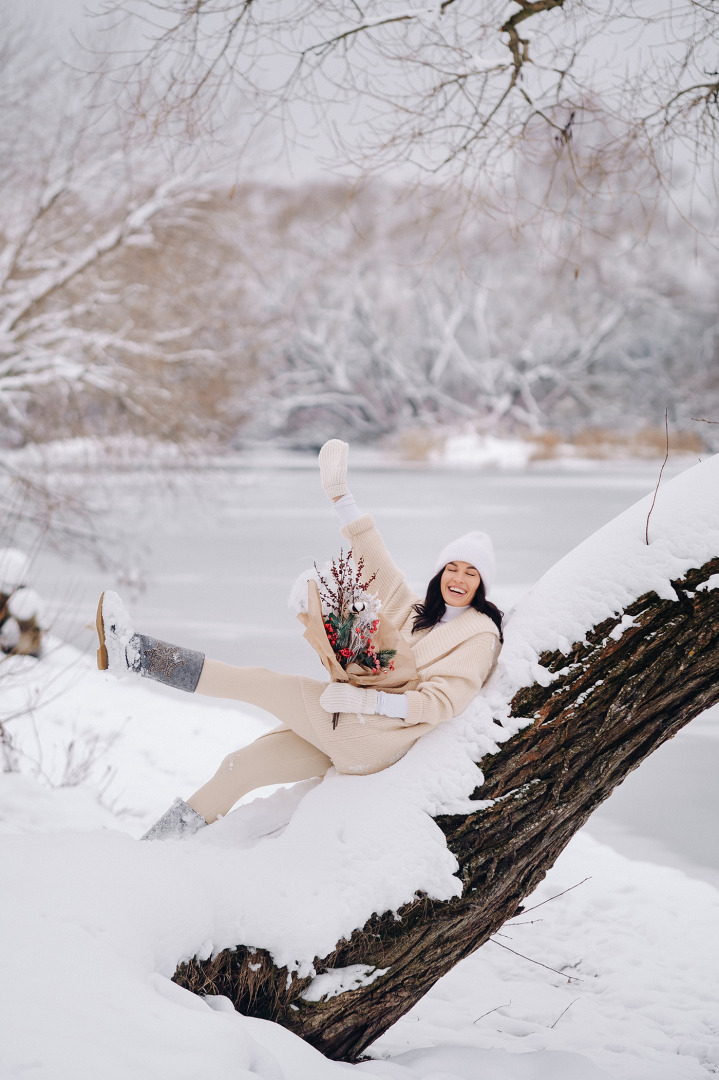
x: 282, y: 756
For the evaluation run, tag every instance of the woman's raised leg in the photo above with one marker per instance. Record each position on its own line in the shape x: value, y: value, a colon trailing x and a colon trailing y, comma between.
x: 293, y: 699
x: 280, y: 757
x: 285, y: 696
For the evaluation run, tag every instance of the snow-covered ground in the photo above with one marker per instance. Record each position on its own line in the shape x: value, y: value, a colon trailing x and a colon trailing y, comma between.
x: 94, y: 923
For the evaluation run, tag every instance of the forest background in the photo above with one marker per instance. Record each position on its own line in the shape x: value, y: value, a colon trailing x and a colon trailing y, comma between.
x: 216, y: 279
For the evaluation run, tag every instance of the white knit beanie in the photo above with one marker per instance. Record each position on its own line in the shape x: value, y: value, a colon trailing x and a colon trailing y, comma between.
x: 474, y: 548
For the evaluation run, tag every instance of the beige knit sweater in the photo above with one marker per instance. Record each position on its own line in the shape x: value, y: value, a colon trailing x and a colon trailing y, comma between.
x: 453, y: 661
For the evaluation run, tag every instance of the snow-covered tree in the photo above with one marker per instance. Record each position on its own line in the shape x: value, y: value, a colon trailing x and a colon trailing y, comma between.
x: 385, y: 325
x: 607, y: 656
x: 91, y: 228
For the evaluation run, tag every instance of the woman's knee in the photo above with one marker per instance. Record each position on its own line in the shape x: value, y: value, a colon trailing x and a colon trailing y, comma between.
x: 254, y: 754
x: 230, y: 764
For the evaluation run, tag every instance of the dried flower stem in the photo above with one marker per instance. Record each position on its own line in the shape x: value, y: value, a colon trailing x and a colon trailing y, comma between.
x: 656, y: 489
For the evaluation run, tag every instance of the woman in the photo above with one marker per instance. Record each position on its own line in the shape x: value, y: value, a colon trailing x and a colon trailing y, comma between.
x: 454, y: 634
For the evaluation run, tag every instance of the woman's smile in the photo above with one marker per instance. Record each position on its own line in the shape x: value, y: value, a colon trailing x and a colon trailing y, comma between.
x: 459, y: 582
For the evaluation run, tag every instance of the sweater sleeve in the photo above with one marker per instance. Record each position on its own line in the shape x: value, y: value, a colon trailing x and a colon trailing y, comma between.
x: 367, y: 544
x: 441, y: 697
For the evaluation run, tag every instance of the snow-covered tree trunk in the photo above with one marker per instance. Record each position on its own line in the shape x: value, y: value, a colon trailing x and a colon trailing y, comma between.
x: 612, y: 653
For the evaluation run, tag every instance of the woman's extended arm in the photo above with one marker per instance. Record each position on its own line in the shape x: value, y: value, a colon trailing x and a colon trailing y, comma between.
x: 359, y: 528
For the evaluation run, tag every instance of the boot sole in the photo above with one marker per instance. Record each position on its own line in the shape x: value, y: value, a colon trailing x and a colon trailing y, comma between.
x: 102, y: 660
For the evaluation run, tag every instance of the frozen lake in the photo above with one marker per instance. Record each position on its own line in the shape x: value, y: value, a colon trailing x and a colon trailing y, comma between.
x: 208, y: 560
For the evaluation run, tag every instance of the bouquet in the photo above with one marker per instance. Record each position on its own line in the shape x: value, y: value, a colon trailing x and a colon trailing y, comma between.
x: 343, y: 625
x: 351, y: 616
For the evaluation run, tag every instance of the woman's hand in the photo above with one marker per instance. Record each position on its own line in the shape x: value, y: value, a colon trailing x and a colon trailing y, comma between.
x: 333, y: 468
x: 343, y: 697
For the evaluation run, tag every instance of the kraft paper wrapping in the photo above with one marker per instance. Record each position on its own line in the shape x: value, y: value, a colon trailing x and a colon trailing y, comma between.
x: 387, y: 637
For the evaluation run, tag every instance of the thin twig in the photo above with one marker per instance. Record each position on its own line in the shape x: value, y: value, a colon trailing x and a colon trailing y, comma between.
x: 525, y: 911
x: 570, y: 978
x: 562, y: 1013
x: 701, y: 420
x: 656, y: 489
x: 490, y: 1011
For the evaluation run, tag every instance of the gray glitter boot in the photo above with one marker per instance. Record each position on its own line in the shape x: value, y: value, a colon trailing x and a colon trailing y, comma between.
x: 122, y: 650
x: 177, y: 823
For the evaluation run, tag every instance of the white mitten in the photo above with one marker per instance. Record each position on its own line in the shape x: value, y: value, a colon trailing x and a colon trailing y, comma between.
x: 333, y: 468
x: 343, y: 697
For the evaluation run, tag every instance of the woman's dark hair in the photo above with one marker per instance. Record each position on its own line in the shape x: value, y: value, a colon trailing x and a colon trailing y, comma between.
x: 429, y: 612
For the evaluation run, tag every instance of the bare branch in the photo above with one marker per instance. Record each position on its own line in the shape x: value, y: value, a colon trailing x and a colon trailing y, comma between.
x: 455, y: 92
x: 519, y: 47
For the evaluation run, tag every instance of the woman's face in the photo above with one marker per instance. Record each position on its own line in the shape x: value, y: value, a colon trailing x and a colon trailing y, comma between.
x: 459, y: 582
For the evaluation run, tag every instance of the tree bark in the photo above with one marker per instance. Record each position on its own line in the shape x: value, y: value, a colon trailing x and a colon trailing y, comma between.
x: 614, y: 698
